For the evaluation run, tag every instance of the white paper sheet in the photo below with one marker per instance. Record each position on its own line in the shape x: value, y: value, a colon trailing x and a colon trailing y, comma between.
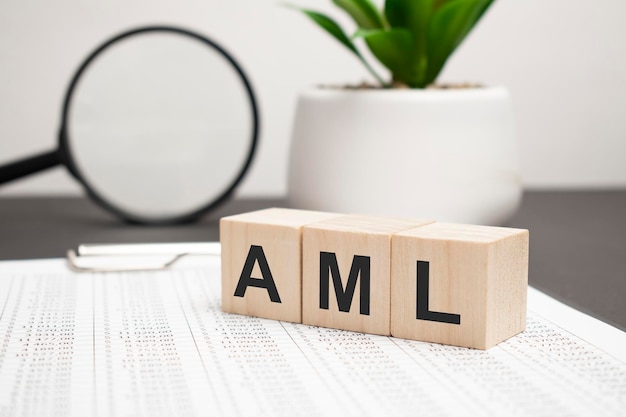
x: 151, y: 344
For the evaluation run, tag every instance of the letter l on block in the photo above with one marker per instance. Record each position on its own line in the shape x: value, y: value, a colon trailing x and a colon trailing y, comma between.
x: 423, y: 309
x: 478, y: 274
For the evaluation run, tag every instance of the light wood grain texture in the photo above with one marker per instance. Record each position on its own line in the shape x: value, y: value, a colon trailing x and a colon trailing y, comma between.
x: 278, y: 233
x: 477, y: 272
x: 342, y: 247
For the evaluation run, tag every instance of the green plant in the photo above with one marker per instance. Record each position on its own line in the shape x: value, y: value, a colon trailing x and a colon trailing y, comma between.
x: 412, y: 38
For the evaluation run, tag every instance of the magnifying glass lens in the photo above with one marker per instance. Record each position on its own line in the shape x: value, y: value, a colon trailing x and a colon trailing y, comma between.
x: 159, y: 125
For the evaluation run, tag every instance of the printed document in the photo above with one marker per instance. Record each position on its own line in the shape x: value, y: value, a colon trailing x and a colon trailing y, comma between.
x: 158, y: 344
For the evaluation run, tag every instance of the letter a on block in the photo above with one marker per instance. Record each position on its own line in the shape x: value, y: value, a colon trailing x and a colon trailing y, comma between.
x: 262, y: 262
x: 256, y: 255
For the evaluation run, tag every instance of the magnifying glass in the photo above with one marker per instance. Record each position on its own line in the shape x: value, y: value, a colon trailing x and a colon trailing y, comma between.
x: 159, y: 124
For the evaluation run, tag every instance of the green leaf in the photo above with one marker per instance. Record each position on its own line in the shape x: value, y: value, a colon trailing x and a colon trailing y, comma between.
x: 364, y: 13
x: 448, y: 27
x: 392, y: 48
x: 438, y: 3
x: 414, y: 16
x: 330, y: 26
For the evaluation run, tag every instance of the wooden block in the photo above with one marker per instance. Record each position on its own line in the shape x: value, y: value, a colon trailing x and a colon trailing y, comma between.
x: 346, y: 272
x: 457, y: 284
x: 262, y: 262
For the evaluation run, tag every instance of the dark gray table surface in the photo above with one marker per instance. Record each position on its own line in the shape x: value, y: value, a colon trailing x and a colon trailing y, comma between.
x: 577, y: 239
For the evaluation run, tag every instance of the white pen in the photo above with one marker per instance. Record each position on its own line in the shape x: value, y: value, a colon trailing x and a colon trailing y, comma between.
x: 188, y: 248
x: 175, y: 251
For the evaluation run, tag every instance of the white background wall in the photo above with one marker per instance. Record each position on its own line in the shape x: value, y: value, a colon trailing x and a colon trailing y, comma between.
x: 563, y: 60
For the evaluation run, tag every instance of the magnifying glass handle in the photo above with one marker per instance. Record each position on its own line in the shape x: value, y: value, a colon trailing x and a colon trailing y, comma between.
x: 27, y: 166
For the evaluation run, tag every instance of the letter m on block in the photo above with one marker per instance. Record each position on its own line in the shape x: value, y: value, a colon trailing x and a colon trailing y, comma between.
x: 360, y: 267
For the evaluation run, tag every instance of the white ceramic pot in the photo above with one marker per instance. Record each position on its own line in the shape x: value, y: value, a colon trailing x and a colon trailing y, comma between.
x: 449, y: 155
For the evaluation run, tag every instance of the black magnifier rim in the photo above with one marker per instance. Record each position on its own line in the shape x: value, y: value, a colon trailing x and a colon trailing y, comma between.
x: 66, y: 154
